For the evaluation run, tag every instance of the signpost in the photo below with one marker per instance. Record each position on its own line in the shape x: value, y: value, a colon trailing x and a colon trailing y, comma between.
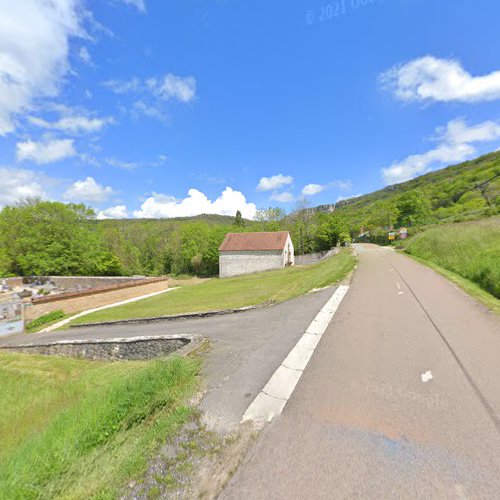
x: 403, y: 233
x: 392, y: 236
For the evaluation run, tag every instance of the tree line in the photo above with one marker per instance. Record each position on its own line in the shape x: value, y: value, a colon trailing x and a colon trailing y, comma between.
x: 52, y: 238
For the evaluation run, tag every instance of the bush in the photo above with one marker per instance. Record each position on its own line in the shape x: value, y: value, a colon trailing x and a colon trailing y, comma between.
x: 45, y: 319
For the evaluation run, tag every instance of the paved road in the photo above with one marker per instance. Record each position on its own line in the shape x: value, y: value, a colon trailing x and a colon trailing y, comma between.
x: 363, y: 424
x: 246, y: 349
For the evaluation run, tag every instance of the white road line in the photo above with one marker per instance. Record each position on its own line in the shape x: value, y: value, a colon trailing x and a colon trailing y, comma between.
x: 398, y: 285
x: 271, y: 401
x: 57, y: 325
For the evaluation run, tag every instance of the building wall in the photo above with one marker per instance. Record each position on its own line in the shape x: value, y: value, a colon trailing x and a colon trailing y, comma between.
x: 89, y: 300
x: 247, y: 262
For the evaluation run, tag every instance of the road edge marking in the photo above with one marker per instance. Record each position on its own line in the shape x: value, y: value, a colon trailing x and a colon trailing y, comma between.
x: 272, y: 399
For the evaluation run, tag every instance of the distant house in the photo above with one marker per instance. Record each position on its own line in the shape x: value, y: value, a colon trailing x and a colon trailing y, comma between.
x: 245, y: 253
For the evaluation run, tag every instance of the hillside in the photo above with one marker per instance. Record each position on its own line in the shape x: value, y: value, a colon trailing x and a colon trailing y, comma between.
x: 468, y: 190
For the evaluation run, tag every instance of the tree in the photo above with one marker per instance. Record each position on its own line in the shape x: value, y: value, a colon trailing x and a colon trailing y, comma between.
x: 413, y: 207
x: 44, y: 238
x: 238, y: 220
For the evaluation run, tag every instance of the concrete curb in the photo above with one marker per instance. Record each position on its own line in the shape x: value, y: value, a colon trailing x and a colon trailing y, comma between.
x: 140, y: 321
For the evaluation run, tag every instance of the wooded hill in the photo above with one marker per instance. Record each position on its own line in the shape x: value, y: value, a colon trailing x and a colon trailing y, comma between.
x: 465, y: 191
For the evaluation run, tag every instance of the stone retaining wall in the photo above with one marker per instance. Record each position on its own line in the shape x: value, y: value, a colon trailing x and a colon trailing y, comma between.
x: 73, y: 302
x: 312, y: 258
x: 113, y: 349
x: 76, y: 283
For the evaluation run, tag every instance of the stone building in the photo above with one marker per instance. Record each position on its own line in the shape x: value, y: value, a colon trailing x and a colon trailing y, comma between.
x: 246, y: 253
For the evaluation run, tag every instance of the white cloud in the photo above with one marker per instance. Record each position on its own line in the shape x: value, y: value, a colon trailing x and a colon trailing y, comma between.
x: 88, y: 190
x: 123, y: 86
x: 274, y: 182
x: 117, y: 212
x: 142, y: 108
x: 140, y: 5
x: 312, y: 189
x: 84, y: 55
x: 18, y: 184
x: 283, y: 197
x: 432, y: 79
x: 113, y: 162
x: 172, y: 87
x: 455, y: 145
x: 73, y: 124
x: 160, y: 205
x: 34, y: 41
x: 45, y: 152
x: 165, y: 88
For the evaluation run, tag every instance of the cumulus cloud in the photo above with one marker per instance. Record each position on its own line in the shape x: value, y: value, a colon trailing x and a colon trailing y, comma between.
x: 274, y: 182
x: 34, y: 41
x: 432, y: 79
x: 123, y: 86
x: 312, y: 189
x: 48, y: 151
x: 88, y: 190
x: 164, y: 206
x: 284, y: 197
x: 117, y: 212
x: 73, y: 124
x: 18, y: 184
x: 455, y: 144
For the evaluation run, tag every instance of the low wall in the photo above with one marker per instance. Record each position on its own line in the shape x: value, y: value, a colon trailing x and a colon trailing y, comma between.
x: 112, y: 349
x: 73, y: 302
x: 312, y: 258
x: 75, y: 283
x: 12, y: 282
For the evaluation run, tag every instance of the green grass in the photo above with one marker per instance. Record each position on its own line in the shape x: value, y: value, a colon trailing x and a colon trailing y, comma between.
x: 45, y: 320
x: 253, y: 289
x: 470, y: 250
x: 80, y: 429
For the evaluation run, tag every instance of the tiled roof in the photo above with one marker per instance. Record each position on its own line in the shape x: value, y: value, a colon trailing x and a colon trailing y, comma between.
x: 254, y: 241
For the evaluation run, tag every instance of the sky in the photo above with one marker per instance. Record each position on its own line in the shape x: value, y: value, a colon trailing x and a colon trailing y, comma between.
x: 166, y: 108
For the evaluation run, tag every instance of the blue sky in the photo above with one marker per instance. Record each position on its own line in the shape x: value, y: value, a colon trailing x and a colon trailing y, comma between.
x: 143, y: 108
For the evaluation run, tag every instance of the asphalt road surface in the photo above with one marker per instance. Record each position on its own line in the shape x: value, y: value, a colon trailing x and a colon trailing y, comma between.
x: 246, y: 348
x: 400, y: 400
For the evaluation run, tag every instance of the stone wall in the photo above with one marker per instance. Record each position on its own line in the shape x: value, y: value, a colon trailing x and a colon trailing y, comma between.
x: 248, y: 262
x: 113, y: 349
x: 73, y: 302
x: 75, y: 283
x: 312, y: 258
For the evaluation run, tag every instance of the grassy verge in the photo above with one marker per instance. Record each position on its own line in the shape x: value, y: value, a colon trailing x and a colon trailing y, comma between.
x: 45, y: 320
x: 469, y: 249
x: 253, y: 289
x: 80, y: 429
x: 468, y: 286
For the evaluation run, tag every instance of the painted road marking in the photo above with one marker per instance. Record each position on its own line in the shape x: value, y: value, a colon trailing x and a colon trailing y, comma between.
x: 426, y: 376
x: 271, y: 401
x: 398, y: 285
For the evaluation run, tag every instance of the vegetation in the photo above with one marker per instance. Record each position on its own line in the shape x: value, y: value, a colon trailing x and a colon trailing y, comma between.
x: 44, y: 320
x: 48, y: 238
x: 470, y: 190
x: 253, y: 289
x: 44, y: 238
x: 470, y: 249
x: 78, y: 429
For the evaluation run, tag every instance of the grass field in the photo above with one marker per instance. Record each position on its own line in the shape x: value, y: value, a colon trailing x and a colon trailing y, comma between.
x: 253, y: 289
x: 79, y: 429
x: 470, y: 250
